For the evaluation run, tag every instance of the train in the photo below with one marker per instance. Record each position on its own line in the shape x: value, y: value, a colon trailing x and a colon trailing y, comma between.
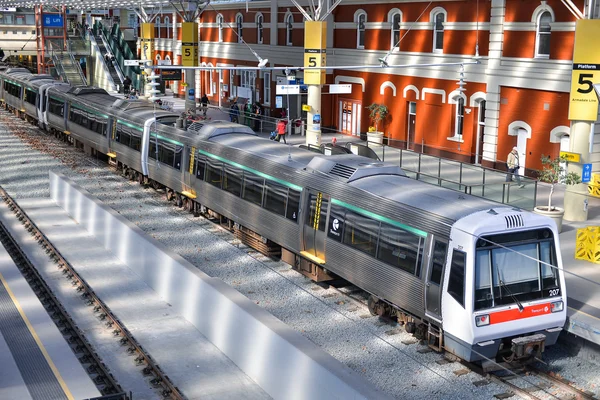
x: 478, y: 279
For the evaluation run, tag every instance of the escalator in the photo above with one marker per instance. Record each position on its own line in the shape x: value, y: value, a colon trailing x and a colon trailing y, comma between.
x: 112, y: 69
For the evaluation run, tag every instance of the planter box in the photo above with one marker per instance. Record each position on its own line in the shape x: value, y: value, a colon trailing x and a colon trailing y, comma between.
x: 376, y: 137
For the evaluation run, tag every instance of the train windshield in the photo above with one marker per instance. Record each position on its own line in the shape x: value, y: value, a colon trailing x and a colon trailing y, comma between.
x: 514, y: 268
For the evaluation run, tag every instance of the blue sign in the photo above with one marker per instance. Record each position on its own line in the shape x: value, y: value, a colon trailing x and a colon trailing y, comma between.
x: 53, y: 21
x: 191, y: 94
x: 586, y: 174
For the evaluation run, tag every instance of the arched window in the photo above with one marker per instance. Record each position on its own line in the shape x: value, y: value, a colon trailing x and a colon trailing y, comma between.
x: 259, y: 28
x: 220, y: 27
x: 438, y: 32
x: 289, y: 26
x: 239, y: 20
x: 167, y: 25
x: 361, y: 21
x: 158, y: 26
x: 542, y: 38
x: 396, y: 19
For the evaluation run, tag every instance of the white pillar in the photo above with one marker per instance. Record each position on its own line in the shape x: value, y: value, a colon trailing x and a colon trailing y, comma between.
x: 576, y: 195
x: 313, y: 136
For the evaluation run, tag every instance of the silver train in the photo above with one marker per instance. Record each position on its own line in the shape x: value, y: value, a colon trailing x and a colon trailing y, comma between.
x: 475, y: 278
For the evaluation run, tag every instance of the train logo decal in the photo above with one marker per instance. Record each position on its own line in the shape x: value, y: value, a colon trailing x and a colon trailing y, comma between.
x: 336, y: 224
x: 335, y: 229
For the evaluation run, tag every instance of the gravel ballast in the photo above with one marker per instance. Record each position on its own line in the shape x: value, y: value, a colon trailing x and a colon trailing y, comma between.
x: 380, y: 352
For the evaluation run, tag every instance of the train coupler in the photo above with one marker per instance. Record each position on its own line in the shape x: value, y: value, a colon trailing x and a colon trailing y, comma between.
x: 528, y: 346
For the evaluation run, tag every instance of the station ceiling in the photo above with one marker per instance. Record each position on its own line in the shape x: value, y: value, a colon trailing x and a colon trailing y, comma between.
x: 102, y: 4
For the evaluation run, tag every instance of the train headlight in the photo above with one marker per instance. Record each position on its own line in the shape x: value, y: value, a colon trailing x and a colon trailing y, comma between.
x: 557, y: 306
x: 482, y: 320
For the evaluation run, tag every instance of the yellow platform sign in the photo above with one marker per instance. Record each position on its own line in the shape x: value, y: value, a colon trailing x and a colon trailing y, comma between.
x: 305, y: 107
x: 583, y: 102
x: 189, y: 44
x: 315, y: 51
x: 571, y: 157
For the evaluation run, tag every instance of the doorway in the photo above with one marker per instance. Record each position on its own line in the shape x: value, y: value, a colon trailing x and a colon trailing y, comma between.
x: 349, y: 116
x: 480, y: 127
x: 522, y: 149
x: 435, y: 274
x: 564, y: 146
x: 315, y: 223
x: 410, y: 129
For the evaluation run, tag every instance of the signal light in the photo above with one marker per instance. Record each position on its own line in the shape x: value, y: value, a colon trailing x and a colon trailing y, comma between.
x: 557, y: 306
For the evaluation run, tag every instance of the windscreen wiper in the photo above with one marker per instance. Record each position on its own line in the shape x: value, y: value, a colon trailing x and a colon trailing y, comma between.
x: 503, y: 285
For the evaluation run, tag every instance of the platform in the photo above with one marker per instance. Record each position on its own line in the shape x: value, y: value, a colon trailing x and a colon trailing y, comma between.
x: 35, y: 360
x: 192, y: 362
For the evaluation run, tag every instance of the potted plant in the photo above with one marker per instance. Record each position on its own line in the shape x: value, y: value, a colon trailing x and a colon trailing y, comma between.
x: 377, y: 113
x: 553, y: 172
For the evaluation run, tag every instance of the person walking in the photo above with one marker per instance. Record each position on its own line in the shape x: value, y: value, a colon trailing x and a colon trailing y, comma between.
x: 281, y: 128
x: 204, y: 104
x: 257, y: 113
x: 235, y: 112
x: 512, y: 163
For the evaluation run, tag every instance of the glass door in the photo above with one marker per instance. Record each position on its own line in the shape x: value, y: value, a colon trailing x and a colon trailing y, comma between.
x: 315, y: 222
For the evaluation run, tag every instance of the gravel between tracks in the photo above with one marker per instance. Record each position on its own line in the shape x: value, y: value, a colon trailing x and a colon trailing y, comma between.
x: 380, y: 352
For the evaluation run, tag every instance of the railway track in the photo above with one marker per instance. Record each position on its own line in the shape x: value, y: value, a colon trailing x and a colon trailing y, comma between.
x: 106, y: 383
x: 531, y: 383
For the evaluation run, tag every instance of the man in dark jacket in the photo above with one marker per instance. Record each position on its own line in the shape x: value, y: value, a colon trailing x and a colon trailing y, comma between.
x: 204, y: 103
x: 126, y: 85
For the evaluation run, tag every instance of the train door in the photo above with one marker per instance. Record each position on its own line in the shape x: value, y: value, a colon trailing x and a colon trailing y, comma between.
x: 433, y: 282
x: 315, y: 223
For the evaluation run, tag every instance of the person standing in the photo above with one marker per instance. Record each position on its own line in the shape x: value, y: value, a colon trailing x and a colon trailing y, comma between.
x: 512, y: 163
x: 235, y: 112
x: 281, y: 128
x: 204, y: 104
x: 126, y: 85
x: 257, y: 113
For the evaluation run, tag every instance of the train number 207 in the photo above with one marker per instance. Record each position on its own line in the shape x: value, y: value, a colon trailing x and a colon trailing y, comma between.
x: 553, y: 292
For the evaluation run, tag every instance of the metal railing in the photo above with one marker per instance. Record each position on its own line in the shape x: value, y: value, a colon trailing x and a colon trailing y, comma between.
x: 472, y: 179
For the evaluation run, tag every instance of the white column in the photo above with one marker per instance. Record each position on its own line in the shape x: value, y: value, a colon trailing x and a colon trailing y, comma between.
x: 313, y: 136
x: 576, y: 195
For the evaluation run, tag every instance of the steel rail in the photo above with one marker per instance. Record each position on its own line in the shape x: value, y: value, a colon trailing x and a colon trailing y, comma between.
x: 158, y: 379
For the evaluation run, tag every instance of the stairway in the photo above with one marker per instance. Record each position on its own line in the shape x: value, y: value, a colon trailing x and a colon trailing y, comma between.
x: 67, y: 68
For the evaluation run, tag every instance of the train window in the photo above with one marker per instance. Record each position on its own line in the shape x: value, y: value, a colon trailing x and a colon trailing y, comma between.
x: 400, y: 248
x: 361, y: 233
x: 293, y: 205
x: 56, y: 107
x: 123, y: 138
x: 177, y: 160
x: 214, y: 169
x: 437, y: 262
x: 253, y: 188
x: 456, y: 284
x: 166, y: 155
x: 275, y: 197
x: 336, y: 222
x: 30, y: 96
x: 483, y: 281
x: 549, y: 271
x: 200, y: 168
x: 136, y: 142
x: 232, y: 180
x: 153, y: 149
x: 317, y: 213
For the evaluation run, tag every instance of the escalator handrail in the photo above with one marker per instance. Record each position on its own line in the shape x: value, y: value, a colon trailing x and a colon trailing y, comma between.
x: 103, y: 63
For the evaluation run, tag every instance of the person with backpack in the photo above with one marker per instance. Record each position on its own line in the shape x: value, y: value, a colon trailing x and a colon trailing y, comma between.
x: 512, y: 165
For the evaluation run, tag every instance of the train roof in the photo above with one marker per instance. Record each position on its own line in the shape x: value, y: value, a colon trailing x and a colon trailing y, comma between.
x: 434, y: 199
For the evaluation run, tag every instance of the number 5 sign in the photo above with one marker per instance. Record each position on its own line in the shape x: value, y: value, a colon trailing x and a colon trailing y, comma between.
x: 315, y: 51
x: 583, y: 104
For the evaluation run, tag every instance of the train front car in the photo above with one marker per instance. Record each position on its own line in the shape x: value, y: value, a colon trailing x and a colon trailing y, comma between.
x: 505, y: 296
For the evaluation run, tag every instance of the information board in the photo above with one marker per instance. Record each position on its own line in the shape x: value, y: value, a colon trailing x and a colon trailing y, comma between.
x: 189, y: 44
x: 53, y: 21
x: 315, y: 51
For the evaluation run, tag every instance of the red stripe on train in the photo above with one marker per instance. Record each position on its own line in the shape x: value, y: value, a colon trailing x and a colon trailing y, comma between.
x: 514, y: 313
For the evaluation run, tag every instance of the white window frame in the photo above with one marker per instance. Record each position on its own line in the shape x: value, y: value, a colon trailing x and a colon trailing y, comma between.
x: 260, y: 20
x: 239, y: 26
x: 459, y: 117
x: 167, y: 24
x: 360, y: 15
x: 433, y: 18
x: 220, y: 27
x: 267, y: 88
x: 158, y: 27
x: 289, y: 29
x: 539, y: 34
x: 395, y: 44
